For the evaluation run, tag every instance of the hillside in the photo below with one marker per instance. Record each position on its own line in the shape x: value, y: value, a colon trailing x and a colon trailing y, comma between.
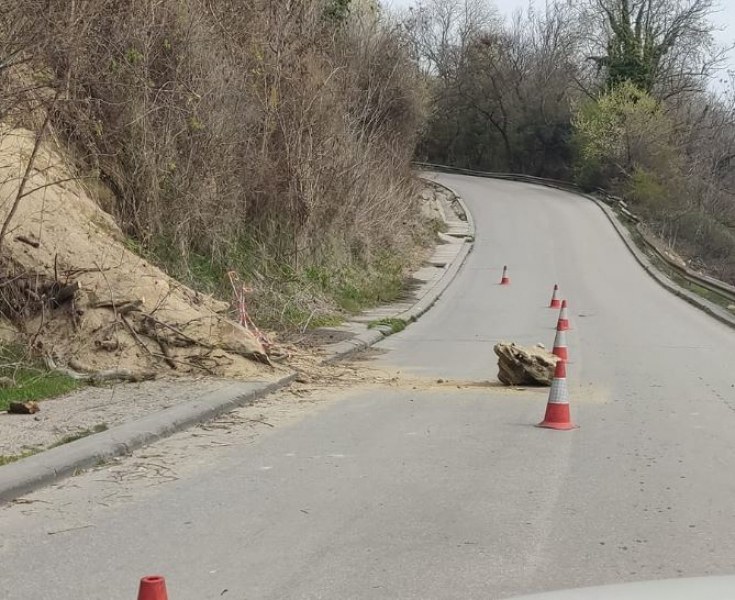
x: 74, y: 292
x: 186, y: 145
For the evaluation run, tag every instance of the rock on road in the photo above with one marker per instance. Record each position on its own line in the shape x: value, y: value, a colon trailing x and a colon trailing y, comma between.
x: 434, y: 492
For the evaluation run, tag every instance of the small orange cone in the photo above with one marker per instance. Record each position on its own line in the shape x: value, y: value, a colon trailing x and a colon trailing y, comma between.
x: 555, y: 302
x: 557, y: 409
x: 563, y: 323
x: 505, y: 279
x: 560, y: 345
x: 152, y: 587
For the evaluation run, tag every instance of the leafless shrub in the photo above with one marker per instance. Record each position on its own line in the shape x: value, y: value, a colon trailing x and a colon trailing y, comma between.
x: 218, y: 124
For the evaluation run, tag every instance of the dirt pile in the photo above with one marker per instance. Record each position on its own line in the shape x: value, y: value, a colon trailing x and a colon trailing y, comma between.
x: 72, y: 287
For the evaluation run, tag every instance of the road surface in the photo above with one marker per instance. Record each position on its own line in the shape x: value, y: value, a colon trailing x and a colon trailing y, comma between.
x: 441, y: 492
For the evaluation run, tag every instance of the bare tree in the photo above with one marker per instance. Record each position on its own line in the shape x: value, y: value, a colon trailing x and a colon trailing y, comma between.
x: 443, y: 30
x: 502, y: 101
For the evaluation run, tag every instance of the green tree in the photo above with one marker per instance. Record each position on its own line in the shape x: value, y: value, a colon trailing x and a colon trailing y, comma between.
x: 338, y: 10
x: 625, y: 131
x: 664, y: 44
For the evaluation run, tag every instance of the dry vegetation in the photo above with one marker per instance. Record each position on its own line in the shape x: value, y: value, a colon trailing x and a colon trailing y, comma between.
x: 269, y: 142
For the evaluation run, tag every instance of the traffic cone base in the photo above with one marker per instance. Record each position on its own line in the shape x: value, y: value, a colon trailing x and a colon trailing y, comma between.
x: 557, y: 417
x: 152, y: 587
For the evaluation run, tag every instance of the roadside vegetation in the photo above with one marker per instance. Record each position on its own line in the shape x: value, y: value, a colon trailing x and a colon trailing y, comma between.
x: 23, y: 378
x: 273, y: 139
x: 254, y: 145
x: 267, y: 145
x: 394, y: 325
x: 627, y: 95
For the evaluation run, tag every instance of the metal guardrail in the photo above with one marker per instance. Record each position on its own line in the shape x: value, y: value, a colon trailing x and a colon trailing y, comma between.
x: 724, y: 290
x: 716, y: 286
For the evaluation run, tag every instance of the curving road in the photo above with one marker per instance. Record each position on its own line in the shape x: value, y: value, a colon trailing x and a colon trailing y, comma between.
x: 437, y: 493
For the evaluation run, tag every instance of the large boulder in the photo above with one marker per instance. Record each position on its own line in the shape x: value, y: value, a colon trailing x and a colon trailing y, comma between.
x: 519, y: 365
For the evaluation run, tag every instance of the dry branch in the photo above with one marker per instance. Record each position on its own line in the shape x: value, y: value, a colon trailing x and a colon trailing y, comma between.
x: 27, y: 240
x: 26, y: 175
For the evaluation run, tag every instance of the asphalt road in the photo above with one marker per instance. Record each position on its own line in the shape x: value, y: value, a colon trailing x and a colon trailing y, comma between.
x: 434, y: 492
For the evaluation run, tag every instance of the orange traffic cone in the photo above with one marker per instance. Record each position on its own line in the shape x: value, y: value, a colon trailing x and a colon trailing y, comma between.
x: 563, y: 323
x: 152, y: 587
x: 557, y: 409
x: 505, y: 279
x: 560, y: 345
x: 555, y: 302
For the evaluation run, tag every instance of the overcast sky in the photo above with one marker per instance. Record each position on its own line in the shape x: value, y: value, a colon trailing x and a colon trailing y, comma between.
x: 724, y: 18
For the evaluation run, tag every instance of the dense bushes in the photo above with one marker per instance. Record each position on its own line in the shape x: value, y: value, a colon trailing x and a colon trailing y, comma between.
x: 501, y: 93
x: 253, y: 133
x: 627, y: 143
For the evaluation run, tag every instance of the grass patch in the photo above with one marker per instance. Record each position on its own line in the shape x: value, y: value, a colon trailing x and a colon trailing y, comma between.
x: 30, y: 379
x: 701, y: 291
x: 6, y: 459
x: 395, y: 325
x: 318, y: 294
x: 73, y: 437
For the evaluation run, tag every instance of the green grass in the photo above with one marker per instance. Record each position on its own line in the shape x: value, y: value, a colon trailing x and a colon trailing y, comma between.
x: 319, y: 293
x: 30, y: 381
x: 6, y: 459
x: 395, y: 325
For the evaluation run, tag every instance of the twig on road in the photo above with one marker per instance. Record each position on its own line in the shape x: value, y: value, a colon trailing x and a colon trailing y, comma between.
x: 70, y: 529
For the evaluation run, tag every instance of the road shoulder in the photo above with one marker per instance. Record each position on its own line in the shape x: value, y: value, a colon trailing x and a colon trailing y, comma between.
x: 51, y: 465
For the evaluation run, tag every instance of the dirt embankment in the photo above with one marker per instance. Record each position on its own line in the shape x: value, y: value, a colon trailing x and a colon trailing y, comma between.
x: 72, y: 287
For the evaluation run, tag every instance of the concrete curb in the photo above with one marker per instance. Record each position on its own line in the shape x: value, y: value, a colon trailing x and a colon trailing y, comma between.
x: 703, y: 304
x: 49, y: 466
x: 52, y: 465
x: 370, y: 337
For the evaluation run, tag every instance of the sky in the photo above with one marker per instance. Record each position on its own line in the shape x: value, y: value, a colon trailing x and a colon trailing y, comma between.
x: 724, y: 19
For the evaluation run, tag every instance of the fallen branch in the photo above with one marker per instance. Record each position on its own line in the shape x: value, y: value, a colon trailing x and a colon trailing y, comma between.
x: 166, y: 353
x: 122, y: 308
x: 135, y: 335
x: 189, y: 363
x: 27, y: 240
x: 64, y: 293
x: 178, y: 332
x: 125, y: 375
x: 26, y: 174
x: 78, y: 372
